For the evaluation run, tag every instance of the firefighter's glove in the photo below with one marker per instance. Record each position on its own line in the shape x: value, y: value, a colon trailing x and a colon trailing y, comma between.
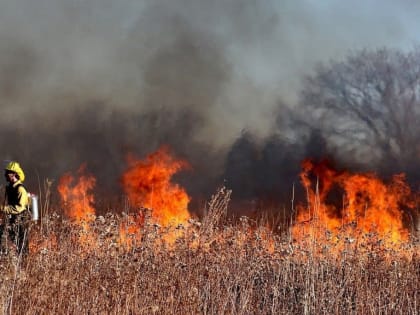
x: 6, y: 209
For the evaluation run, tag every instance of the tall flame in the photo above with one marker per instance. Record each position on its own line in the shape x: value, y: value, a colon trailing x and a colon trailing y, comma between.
x: 368, y: 206
x: 147, y: 183
x: 77, y: 196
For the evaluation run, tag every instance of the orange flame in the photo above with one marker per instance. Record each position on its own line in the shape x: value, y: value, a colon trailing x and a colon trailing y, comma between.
x: 77, y: 196
x: 148, y: 184
x: 368, y: 206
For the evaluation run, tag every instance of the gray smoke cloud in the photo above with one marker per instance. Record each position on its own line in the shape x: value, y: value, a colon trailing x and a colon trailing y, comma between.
x: 89, y: 81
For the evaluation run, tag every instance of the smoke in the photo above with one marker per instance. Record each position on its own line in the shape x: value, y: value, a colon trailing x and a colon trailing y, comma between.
x: 89, y: 81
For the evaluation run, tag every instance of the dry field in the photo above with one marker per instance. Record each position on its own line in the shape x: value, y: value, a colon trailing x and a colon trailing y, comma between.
x: 207, y: 267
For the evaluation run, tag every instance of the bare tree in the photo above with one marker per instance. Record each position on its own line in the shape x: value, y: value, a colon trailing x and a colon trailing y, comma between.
x: 368, y: 107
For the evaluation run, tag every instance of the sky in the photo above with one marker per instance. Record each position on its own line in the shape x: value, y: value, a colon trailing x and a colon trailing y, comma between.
x: 84, y: 79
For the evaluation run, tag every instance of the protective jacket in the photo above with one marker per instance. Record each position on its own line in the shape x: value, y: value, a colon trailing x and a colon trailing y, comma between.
x: 16, y: 198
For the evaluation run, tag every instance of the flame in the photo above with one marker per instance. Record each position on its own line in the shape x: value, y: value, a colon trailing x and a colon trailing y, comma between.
x: 368, y: 207
x: 78, y: 199
x: 147, y: 184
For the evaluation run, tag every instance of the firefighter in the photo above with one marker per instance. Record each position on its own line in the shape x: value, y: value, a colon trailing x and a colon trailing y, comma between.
x: 15, y: 208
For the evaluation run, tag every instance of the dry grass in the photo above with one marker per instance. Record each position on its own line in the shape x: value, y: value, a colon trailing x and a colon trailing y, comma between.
x: 213, y: 268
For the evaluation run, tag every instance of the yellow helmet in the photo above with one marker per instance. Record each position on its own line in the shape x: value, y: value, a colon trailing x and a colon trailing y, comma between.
x: 15, y: 167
